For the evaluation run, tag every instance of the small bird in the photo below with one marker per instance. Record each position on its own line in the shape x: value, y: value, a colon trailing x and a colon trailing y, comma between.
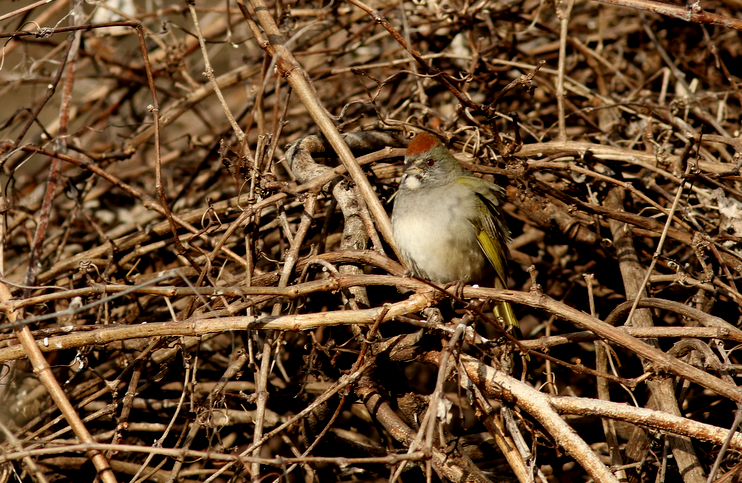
x: 447, y: 223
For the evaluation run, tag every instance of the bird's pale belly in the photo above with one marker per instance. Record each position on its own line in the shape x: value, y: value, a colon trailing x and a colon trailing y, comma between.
x: 440, y: 257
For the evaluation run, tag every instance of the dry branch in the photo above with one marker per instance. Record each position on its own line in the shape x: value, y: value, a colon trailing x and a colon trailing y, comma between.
x: 202, y: 287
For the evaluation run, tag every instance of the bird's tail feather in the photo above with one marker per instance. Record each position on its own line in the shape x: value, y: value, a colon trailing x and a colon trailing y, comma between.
x: 505, y: 310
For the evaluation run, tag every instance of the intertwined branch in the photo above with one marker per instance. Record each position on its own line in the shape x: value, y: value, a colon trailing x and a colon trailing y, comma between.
x: 199, y: 280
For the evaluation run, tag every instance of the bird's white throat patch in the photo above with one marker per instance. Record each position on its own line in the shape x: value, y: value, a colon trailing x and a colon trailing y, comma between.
x: 411, y: 182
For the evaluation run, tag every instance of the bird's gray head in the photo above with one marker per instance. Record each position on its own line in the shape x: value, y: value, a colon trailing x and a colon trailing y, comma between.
x: 428, y: 162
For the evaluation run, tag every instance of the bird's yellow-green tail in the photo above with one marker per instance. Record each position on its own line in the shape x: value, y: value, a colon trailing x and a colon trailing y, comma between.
x: 504, y: 309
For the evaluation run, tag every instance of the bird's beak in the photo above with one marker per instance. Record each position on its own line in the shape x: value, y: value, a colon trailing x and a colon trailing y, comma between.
x: 412, y: 170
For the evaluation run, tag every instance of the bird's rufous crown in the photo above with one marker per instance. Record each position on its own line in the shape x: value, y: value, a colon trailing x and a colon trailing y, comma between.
x: 421, y: 143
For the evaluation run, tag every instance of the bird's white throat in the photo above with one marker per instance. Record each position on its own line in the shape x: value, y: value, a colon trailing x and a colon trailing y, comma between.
x: 411, y: 182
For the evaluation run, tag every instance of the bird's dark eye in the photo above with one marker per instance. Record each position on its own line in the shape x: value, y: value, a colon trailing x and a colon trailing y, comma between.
x: 431, y: 162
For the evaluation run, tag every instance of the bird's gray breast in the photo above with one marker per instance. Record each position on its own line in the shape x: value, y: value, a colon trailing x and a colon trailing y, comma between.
x: 434, y: 234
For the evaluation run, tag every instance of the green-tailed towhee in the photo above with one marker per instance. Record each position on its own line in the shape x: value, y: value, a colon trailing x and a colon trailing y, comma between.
x: 448, y: 224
